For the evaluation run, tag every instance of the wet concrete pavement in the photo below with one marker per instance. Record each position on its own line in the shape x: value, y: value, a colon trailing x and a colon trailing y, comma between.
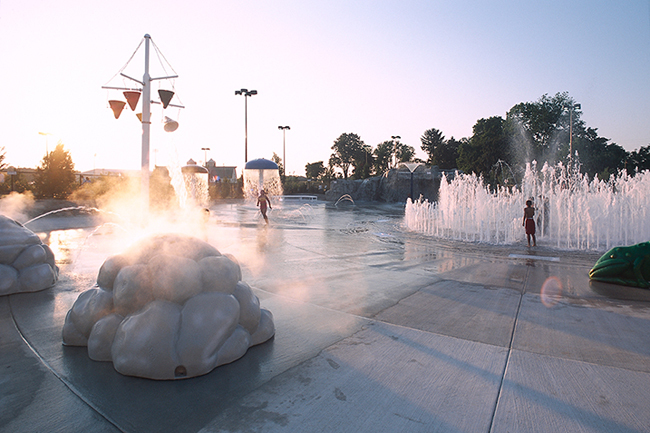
x: 377, y: 329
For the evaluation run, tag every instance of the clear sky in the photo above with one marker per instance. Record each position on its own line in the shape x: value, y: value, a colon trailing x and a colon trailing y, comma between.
x: 374, y: 68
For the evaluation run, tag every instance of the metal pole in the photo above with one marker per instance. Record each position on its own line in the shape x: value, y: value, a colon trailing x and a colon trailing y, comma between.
x: 245, y: 128
x: 246, y: 93
x: 284, y: 153
x: 47, y: 150
x: 146, y: 127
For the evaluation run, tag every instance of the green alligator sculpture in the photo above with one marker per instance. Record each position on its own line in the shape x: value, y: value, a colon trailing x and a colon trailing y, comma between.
x: 628, y: 266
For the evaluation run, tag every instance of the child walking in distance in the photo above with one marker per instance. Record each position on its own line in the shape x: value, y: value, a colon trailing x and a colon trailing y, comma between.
x: 529, y: 222
x: 262, y: 200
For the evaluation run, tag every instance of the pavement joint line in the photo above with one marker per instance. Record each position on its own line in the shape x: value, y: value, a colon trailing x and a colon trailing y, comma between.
x: 56, y: 374
x: 532, y: 257
x: 507, y: 361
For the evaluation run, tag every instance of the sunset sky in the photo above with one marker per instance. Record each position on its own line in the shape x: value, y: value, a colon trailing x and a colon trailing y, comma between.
x: 374, y: 68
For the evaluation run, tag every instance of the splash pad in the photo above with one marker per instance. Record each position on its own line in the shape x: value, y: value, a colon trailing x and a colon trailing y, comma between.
x: 170, y: 306
x: 572, y: 211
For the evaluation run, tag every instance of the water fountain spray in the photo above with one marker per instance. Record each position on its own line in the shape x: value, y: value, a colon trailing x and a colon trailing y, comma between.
x: 573, y: 212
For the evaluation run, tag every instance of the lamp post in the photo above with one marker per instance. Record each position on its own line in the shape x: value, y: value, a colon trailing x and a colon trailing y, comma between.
x: 11, y: 171
x: 205, y: 155
x: 412, y: 166
x: 246, y: 94
x: 284, y: 155
x: 573, y: 107
x: 46, y: 144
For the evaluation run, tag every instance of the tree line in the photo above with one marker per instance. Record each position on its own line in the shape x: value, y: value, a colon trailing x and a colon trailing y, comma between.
x: 549, y: 130
x: 54, y: 178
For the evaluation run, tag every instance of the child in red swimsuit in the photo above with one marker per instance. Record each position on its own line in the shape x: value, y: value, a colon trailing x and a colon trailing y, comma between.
x: 529, y: 222
x: 261, y: 202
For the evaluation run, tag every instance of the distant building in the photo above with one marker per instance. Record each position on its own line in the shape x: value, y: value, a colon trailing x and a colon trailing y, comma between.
x: 223, y: 173
x: 11, y: 174
x: 28, y: 173
x: 96, y: 172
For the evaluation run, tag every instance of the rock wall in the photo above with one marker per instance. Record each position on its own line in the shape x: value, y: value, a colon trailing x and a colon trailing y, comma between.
x: 393, y: 186
x: 26, y: 264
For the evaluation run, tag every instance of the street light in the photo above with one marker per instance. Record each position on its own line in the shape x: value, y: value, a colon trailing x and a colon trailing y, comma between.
x: 246, y: 94
x: 284, y: 155
x: 205, y: 155
x: 573, y: 107
x: 46, y: 146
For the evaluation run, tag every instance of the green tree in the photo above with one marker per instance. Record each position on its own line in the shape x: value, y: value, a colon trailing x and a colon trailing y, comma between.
x: 275, y: 158
x: 638, y: 160
x: 432, y: 140
x: 330, y: 173
x: 486, y: 147
x: 315, y: 170
x: 3, y: 154
x: 55, y: 176
x: 596, y: 154
x: 447, y: 154
x: 346, y: 148
x: 550, y: 129
x: 404, y: 152
x: 382, y: 156
x: 363, y: 162
x: 540, y: 130
x: 441, y: 152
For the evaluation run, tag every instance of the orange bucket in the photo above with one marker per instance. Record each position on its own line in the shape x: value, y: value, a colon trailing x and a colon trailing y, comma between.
x: 132, y: 98
x: 117, y: 107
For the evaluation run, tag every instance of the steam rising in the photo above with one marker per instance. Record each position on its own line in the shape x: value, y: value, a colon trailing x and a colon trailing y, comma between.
x: 169, y: 307
x: 16, y: 205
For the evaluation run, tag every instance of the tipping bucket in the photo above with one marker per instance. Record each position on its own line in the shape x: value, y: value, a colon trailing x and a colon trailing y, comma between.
x: 132, y: 98
x: 165, y: 97
x: 117, y: 107
x: 170, y: 124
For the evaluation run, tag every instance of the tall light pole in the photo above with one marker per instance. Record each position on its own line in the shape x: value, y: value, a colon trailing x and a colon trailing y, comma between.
x: 246, y: 94
x: 46, y: 144
x: 205, y: 155
x: 573, y: 107
x: 284, y: 155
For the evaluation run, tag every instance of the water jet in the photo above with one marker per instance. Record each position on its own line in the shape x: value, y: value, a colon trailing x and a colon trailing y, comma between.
x: 573, y: 211
x: 261, y: 174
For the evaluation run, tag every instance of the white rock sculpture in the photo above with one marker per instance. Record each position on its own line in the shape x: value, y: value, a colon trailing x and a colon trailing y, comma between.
x: 26, y: 264
x: 170, y: 307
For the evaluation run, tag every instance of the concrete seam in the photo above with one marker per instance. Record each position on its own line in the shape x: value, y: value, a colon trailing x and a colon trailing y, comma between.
x: 507, y: 361
x: 58, y: 376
